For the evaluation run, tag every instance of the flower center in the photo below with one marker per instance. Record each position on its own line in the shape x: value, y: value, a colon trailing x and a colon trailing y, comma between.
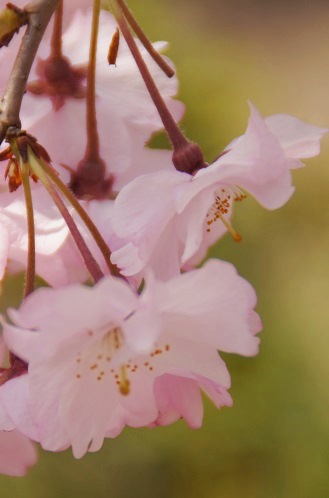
x: 105, y: 358
x: 101, y: 359
x: 224, y: 198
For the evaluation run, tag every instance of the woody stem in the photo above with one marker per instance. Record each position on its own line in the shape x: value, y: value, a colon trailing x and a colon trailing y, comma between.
x: 39, y: 12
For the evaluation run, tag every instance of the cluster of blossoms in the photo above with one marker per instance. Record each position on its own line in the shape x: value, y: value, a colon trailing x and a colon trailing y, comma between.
x: 126, y: 330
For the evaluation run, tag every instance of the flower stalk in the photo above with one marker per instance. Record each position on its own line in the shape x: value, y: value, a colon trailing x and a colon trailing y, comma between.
x: 56, y: 39
x: 158, y: 59
x: 187, y: 157
x: 103, y: 247
x: 92, y: 149
x: 30, y: 268
x: 89, y: 179
x: 90, y: 262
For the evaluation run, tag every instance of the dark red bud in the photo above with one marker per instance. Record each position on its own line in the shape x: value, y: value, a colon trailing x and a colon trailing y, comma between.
x: 188, y: 158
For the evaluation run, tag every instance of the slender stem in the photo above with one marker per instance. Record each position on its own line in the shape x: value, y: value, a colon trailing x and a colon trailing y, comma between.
x: 92, y: 149
x: 56, y: 39
x: 88, y: 258
x: 175, y: 135
x: 30, y: 268
x: 40, y: 12
x: 144, y: 40
x: 103, y: 247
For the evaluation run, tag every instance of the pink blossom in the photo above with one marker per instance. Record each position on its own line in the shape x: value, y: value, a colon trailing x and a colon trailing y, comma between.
x: 126, y: 115
x: 7, y: 54
x: 169, y: 219
x: 17, y: 452
x: 113, y: 358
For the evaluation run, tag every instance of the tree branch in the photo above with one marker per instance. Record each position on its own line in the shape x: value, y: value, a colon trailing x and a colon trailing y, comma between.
x: 39, y: 12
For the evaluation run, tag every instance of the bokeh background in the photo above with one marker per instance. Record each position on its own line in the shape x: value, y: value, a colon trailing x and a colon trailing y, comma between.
x: 274, y: 442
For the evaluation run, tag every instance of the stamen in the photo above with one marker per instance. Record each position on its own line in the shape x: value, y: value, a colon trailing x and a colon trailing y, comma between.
x: 117, y: 338
x: 221, y: 207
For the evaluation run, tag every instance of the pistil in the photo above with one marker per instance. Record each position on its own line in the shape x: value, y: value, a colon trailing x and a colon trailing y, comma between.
x: 124, y: 385
x: 236, y: 236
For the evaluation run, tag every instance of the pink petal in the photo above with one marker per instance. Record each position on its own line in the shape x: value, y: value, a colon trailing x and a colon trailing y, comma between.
x: 298, y: 139
x: 17, y: 453
x: 141, y: 213
x: 221, y: 308
x: 178, y: 397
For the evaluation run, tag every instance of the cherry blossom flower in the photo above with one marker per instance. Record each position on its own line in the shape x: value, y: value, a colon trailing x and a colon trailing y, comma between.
x: 168, y: 219
x: 7, y: 54
x: 17, y: 452
x: 114, y: 358
x: 126, y: 115
x: 58, y: 260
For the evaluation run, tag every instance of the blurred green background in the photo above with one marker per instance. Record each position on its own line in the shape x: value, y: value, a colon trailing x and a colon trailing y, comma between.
x: 274, y: 442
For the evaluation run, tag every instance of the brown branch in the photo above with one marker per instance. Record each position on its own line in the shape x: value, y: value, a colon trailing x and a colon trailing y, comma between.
x: 39, y: 12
